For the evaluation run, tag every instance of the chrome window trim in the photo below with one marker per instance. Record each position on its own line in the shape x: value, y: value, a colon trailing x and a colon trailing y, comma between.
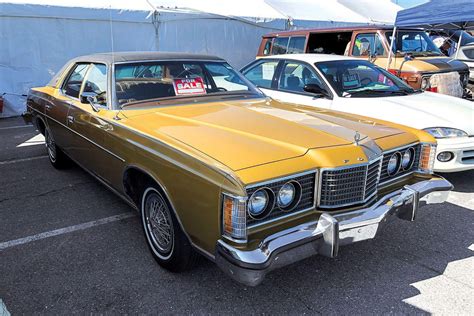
x: 348, y: 167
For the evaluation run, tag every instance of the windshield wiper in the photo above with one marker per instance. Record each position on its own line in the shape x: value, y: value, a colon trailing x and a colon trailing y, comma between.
x: 375, y: 92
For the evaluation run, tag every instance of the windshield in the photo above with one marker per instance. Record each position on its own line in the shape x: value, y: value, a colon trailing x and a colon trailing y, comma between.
x: 172, y: 81
x: 416, y: 42
x: 360, y: 78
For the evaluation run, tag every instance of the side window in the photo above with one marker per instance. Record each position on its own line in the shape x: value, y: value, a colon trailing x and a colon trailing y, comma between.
x: 96, y: 81
x: 262, y: 74
x: 367, y: 44
x: 279, y: 45
x: 296, y: 45
x: 295, y: 76
x: 268, y: 45
x: 73, y: 84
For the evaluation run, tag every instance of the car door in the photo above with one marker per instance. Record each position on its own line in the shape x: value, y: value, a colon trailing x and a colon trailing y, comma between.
x: 91, y: 127
x: 57, y: 108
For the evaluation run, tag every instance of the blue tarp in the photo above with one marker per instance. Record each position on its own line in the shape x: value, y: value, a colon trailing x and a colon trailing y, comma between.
x: 439, y: 14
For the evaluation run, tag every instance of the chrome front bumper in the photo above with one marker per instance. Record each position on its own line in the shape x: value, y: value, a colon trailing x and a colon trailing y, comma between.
x: 328, y: 233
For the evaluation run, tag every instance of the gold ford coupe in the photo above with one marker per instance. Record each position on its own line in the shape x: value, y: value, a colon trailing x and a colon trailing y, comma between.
x: 215, y: 167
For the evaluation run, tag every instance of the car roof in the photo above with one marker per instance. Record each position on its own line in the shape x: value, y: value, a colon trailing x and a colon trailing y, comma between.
x: 310, y: 58
x: 114, y: 57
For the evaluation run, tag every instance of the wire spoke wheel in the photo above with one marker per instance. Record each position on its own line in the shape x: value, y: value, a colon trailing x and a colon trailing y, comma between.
x: 159, y: 223
x: 50, y: 145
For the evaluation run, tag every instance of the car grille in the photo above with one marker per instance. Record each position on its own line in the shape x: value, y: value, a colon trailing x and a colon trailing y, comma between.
x: 307, y: 201
x: 385, y: 177
x: 347, y: 186
x: 468, y: 156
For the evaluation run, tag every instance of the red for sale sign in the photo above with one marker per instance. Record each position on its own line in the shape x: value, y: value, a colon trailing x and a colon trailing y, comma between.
x: 189, y: 86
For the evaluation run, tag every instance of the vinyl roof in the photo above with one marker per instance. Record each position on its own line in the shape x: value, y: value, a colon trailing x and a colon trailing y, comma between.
x: 114, y: 57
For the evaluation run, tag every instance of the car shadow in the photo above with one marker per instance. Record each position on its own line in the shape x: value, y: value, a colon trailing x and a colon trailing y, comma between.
x: 463, y: 181
x: 373, y: 276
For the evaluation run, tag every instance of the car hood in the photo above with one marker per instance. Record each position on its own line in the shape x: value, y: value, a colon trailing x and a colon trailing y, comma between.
x: 418, y: 110
x: 243, y: 134
x: 429, y: 64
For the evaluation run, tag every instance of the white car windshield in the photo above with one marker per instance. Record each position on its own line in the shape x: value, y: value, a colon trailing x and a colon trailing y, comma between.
x: 360, y: 78
x: 172, y: 81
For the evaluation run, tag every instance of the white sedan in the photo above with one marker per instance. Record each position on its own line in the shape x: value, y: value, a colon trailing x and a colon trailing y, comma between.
x: 358, y: 86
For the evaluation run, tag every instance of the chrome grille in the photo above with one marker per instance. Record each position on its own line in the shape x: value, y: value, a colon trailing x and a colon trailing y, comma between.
x: 385, y: 177
x: 348, y: 186
x: 307, y: 201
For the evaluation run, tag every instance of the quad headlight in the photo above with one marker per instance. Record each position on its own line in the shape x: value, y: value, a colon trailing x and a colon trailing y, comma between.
x: 289, y: 195
x: 286, y: 195
x: 408, y: 158
x: 260, y: 203
x: 445, y: 132
x: 394, y: 164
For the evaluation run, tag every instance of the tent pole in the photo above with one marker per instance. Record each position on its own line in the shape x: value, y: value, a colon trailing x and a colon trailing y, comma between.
x: 458, y: 47
x: 389, y: 59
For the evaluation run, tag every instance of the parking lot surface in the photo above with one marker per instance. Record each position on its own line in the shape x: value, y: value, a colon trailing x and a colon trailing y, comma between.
x: 67, y: 244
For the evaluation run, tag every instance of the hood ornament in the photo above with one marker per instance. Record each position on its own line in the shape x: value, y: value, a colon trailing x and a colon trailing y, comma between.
x: 357, y: 138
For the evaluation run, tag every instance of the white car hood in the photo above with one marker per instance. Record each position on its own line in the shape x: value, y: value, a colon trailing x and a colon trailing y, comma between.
x: 419, y: 110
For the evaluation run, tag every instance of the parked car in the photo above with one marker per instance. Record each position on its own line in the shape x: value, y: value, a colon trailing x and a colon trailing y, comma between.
x: 215, y: 167
x: 415, y: 58
x: 466, y: 52
x: 357, y: 86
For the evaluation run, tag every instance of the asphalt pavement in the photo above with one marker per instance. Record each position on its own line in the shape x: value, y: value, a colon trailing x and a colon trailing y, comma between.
x: 68, y: 245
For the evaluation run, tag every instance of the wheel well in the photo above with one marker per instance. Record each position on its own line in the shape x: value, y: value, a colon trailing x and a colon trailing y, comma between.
x: 40, y: 125
x: 134, y: 182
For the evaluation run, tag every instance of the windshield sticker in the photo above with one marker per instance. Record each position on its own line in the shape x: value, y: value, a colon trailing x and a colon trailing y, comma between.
x: 350, y: 81
x: 189, y: 86
x: 267, y: 71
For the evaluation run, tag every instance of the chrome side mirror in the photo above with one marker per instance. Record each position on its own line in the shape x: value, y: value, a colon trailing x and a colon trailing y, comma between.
x: 91, y: 98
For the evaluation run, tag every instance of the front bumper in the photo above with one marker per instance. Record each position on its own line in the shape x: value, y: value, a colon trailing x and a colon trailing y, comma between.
x: 328, y: 233
x: 463, y: 150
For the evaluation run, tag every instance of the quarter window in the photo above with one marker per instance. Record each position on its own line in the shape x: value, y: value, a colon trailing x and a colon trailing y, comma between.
x: 262, y: 74
x: 296, y: 75
x: 72, y: 87
x: 96, y: 81
x: 367, y: 44
x: 296, y: 45
x: 280, y: 45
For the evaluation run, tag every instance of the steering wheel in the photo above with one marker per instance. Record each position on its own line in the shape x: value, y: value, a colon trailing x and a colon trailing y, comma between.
x: 366, y: 80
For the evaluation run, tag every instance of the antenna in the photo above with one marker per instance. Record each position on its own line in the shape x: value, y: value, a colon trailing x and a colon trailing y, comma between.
x: 111, y: 32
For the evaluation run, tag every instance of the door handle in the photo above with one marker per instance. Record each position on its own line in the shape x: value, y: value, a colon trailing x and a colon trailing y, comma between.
x: 70, y: 119
x: 48, y: 106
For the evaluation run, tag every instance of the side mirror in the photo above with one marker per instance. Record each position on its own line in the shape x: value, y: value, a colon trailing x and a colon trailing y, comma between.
x: 91, y: 98
x: 316, y: 89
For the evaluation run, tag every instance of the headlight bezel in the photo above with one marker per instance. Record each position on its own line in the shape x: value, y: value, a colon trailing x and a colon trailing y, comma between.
x: 398, y: 156
x: 443, y: 132
x: 411, y: 161
x: 269, y: 205
x: 296, y: 196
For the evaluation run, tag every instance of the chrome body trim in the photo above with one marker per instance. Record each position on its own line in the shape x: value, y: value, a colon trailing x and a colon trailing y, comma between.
x: 87, y: 139
x: 328, y: 233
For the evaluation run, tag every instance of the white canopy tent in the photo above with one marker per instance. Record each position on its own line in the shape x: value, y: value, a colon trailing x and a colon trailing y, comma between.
x: 38, y: 36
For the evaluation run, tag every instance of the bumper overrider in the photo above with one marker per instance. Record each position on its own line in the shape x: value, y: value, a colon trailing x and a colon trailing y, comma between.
x: 328, y: 233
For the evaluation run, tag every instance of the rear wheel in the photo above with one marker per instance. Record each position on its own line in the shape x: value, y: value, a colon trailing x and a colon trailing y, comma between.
x: 166, y: 240
x: 57, y: 158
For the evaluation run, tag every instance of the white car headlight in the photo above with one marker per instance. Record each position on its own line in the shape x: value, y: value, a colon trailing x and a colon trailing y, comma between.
x: 445, y: 132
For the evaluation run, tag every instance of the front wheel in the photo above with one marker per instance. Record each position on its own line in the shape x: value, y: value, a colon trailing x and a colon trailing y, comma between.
x: 167, y: 242
x: 57, y: 158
